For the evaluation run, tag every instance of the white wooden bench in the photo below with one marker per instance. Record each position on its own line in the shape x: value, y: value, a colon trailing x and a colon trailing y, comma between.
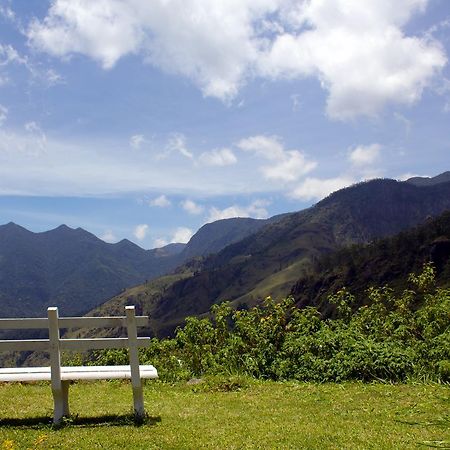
x: 59, y: 376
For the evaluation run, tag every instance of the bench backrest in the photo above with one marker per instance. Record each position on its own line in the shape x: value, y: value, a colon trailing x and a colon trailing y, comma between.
x: 54, y: 323
x: 54, y: 344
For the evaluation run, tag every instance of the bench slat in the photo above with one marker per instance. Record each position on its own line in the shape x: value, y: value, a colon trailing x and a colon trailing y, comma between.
x: 99, y: 322
x: 21, y: 324
x: 71, y: 322
x: 99, y: 343
x: 24, y: 345
x: 75, y: 373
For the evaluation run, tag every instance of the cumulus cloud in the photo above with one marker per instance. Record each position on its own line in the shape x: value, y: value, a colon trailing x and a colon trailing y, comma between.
x: 359, y: 53
x: 358, y: 50
x: 218, y: 157
x: 191, y: 207
x: 286, y: 165
x: 256, y: 209
x: 182, y: 235
x: 316, y: 188
x: 365, y: 155
x: 140, y: 231
x: 136, y: 141
x: 162, y: 201
x: 109, y: 237
x: 160, y: 242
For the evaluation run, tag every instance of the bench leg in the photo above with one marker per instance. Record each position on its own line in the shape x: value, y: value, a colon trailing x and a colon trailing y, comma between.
x: 61, y: 402
x: 138, y: 400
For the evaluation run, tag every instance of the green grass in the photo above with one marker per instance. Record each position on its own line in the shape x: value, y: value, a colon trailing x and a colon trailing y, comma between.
x: 214, y: 415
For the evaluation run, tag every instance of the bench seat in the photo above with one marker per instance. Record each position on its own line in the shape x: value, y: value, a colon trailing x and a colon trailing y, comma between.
x: 69, y: 373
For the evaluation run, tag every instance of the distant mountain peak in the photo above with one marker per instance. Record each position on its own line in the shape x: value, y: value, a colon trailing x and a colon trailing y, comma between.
x: 11, y: 226
x: 430, y: 181
x: 63, y: 227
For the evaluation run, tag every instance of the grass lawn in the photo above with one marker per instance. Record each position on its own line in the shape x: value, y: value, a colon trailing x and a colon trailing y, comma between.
x: 260, y: 415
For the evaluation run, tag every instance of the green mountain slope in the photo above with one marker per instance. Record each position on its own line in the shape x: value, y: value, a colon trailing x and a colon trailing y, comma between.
x: 385, y: 261
x: 269, y: 261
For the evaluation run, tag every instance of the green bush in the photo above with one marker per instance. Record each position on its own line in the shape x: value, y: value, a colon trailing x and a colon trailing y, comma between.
x: 392, y: 337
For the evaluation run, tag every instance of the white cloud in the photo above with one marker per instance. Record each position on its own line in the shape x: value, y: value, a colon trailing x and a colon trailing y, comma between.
x: 408, y: 175
x: 316, y: 189
x: 53, y: 78
x: 218, y: 157
x: 191, y: 207
x: 177, y: 143
x: 160, y: 242
x: 104, y: 30
x: 358, y: 50
x: 137, y: 140
x: 7, y: 13
x: 8, y: 55
x: 37, y: 135
x: 296, y: 103
x: 140, y: 231
x: 293, y: 166
x: 33, y: 164
x: 365, y: 155
x: 359, y: 53
x: 268, y: 147
x: 256, y: 209
x: 286, y: 165
x: 3, y: 114
x: 162, y: 201
x: 182, y: 235
x: 109, y: 236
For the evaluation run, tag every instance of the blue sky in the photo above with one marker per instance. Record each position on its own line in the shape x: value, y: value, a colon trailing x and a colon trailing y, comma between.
x: 146, y: 119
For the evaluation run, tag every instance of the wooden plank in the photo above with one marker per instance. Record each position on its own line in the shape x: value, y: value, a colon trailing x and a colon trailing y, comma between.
x: 24, y: 345
x: 71, y: 322
x: 100, y: 322
x: 75, y: 373
x: 106, y: 372
x: 100, y: 343
x: 22, y: 324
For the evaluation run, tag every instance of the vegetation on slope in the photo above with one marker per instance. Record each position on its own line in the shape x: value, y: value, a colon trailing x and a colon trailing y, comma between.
x: 384, y: 339
x: 388, y: 260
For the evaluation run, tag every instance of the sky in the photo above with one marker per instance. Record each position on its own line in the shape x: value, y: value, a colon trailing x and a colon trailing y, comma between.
x: 145, y: 120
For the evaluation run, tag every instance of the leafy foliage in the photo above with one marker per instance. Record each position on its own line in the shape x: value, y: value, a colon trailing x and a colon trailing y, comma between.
x: 382, y: 261
x: 384, y: 339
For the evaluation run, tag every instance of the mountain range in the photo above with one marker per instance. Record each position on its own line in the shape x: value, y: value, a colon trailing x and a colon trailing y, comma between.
x: 239, y: 260
x: 273, y: 259
x: 77, y: 271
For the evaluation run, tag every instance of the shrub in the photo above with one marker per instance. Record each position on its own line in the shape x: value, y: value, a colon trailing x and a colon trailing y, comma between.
x: 392, y: 337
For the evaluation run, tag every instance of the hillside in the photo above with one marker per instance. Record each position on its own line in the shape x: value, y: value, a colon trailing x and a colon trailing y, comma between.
x: 430, y: 181
x: 385, y: 261
x: 271, y: 260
